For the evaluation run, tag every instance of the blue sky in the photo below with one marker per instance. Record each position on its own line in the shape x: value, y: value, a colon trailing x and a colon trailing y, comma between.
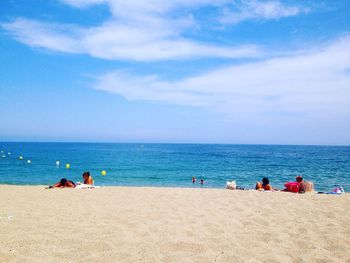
x: 195, y: 71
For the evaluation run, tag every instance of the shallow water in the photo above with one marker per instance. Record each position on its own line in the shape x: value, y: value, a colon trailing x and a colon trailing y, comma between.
x: 174, y: 164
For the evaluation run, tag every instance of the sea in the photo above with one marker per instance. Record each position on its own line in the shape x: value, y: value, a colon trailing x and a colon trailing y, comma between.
x: 174, y: 165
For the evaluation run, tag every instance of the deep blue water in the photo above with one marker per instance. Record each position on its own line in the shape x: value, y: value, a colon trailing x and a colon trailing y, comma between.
x: 174, y: 164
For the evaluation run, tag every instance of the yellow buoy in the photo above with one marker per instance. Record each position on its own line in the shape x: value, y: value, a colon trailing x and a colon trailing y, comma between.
x: 29, y: 161
x: 21, y: 157
x: 67, y: 165
x: 103, y: 172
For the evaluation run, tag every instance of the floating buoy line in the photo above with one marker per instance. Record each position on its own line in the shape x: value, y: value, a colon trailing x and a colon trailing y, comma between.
x: 28, y: 161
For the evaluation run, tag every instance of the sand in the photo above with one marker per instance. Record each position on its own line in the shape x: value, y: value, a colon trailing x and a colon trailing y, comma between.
x: 119, y: 224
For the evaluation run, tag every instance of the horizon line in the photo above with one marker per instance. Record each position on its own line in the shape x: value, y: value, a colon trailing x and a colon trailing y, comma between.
x: 183, y: 143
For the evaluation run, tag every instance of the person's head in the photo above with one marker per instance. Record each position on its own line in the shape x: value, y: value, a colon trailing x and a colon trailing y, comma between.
x: 86, y: 175
x: 265, y: 181
x: 299, y: 178
x: 63, y: 181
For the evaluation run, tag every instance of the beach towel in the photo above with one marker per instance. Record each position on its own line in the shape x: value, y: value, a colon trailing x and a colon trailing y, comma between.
x: 86, y: 186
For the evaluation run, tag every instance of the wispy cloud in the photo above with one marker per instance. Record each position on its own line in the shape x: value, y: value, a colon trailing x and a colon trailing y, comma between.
x: 259, y: 10
x: 83, y: 3
x: 38, y: 34
x: 117, y: 41
x: 124, y: 8
x: 313, y: 84
x: 142, y: 30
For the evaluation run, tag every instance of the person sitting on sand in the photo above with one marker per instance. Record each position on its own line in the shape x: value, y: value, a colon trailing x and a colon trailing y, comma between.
x: 63, y: 183
x: 299, y: 179
x: 299, y: 186
x: 88, y: 178
x: 264, y: 185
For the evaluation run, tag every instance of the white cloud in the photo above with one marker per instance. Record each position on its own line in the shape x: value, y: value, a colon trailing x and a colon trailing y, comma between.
x: 118, y: 41
x: 123, y: 8
x: 83, y: 3
x: 316, y: 84
x: 258, y: 10
x: 141, y: 30
x: 38, y: 34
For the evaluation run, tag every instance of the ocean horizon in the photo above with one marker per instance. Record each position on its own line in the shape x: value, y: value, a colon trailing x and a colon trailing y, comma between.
x: 174, y: 164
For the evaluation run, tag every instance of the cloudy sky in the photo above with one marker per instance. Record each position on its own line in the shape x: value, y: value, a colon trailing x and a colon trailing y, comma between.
x: 199, y: 71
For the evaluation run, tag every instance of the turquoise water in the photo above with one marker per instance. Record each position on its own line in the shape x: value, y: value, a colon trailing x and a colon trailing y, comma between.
x: 174, y: 164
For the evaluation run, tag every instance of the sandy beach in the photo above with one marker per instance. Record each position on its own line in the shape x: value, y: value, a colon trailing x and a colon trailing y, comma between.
x: 119, y: 224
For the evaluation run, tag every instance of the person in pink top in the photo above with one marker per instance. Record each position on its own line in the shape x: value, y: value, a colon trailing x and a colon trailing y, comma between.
x: 299, y: 186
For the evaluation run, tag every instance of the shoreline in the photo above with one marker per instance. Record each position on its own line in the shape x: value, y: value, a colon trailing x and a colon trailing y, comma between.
x: 173, y: 187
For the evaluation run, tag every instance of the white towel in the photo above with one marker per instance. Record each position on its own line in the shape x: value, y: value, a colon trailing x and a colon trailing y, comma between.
x: 86, y: 186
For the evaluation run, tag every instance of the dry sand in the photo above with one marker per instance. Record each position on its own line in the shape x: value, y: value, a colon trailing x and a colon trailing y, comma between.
x: 117, y: 224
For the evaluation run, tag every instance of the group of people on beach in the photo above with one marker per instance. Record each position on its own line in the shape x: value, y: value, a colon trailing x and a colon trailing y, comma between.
x: 299, y: 186
x: 64, y: 183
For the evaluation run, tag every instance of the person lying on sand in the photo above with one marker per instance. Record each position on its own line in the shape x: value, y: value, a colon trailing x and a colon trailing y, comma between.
x: 264, y: 185
x: 88, y: 178
x: 63, y: 183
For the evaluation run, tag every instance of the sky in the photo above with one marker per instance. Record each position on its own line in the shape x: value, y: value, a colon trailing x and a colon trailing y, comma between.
x: 176, y: 71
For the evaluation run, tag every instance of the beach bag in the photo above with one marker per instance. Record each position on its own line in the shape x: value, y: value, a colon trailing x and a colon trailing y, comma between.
x: 292, y: 187
x: 338, y: 190
x: 231, y: 185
